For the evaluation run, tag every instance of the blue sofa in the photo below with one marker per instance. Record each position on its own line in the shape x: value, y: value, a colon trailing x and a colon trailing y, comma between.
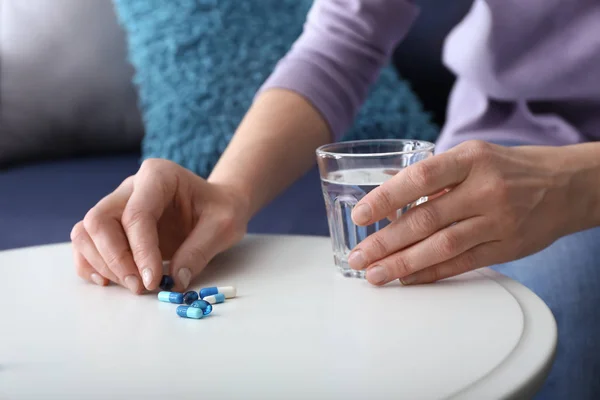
x: 41, y: 199
x: 41, y: 202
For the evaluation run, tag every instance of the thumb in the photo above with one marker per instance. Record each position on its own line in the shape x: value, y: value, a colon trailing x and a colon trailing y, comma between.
x: 202, y: 244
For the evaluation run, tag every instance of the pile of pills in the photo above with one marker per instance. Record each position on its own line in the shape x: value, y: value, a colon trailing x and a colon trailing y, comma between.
x: 198, y: 304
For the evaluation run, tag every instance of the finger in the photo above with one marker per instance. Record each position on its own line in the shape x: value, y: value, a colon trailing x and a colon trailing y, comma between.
x: 424, y: 178
x: 395, y: 215
x: 86, y: 271
x: 103, y: 224
x: 83, y: 244
x: 443, y: 245
x: 415, y: 225
x: 213, y: 233
x: 155, y: 186
x: 477, y: 257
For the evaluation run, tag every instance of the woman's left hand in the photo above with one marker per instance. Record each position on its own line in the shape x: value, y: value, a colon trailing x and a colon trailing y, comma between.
x: 499, y: 204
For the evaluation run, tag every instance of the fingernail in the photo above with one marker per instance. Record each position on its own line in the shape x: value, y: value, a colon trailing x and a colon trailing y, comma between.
x: 147, y: 276
x: 97, y: 279
x: 409, y: 280
x: 356, y: 259
x: 184, y: 275
x: 362, y: 214
x: 377, y: 275
x: 132, y: 283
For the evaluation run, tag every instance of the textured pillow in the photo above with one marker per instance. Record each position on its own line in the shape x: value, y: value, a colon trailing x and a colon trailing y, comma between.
x: 65, y: 83
x: 199, y: 63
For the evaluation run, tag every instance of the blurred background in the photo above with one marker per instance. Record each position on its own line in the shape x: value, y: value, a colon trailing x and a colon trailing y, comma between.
x: 71, y: 129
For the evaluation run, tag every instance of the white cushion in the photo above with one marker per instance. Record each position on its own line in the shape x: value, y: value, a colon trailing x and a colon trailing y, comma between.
x: 65, y: 84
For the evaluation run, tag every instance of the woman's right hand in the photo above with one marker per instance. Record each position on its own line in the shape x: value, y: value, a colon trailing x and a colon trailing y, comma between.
x: 163, y: 212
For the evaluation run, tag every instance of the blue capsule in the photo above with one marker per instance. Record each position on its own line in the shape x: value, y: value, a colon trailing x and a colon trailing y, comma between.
x: 215, y: 298
x: 189, y: 312
x: 171, y: 297
x: 229, y: 291
x: 190, y: 297
x: 209, y: 291
x: 205, y: 306
x: 166, y: 283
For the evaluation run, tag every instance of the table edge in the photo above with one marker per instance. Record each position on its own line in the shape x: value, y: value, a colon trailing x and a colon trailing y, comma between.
x: 532, y: 371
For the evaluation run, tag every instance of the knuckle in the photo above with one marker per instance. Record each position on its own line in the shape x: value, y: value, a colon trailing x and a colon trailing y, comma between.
x: 376, y: 246
x: 155, y: 168
x: 132, y: 217
x: 447, y: 244
x: 435, y: 274
x: 423, y: 221
x: 151, y: 165
x: 478, y: 150
x: 117, y: 260
x: 197, y: 254
x: 496, y: 190
x: 128, y: 181
x: 401, y: 267
x: 383, y: 199
x: 78, y: 233
x: 227, y: 224
x: 93, y: 221
x: 421, y: 175
x: 466, y: 262
x: 138, y: 252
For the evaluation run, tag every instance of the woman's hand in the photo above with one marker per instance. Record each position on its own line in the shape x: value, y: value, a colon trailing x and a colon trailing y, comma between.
x: 164, y: 212
x: 502, y: 204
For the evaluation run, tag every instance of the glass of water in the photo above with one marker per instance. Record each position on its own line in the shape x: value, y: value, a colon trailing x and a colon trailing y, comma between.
x: 350, y: 170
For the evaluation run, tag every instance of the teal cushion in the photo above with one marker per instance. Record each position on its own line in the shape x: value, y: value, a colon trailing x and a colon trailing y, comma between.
x: 199, y: 63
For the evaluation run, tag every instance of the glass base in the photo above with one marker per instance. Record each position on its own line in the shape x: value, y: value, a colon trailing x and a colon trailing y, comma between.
x: 348, y: 272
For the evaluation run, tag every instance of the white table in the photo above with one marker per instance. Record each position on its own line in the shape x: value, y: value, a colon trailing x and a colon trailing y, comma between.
x: 297, y: 330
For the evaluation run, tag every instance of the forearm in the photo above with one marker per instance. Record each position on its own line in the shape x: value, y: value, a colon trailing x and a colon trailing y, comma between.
x: 273, y: 146
x: 582, y: 161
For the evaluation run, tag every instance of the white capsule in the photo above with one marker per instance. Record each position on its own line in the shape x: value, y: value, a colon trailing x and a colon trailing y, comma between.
x: 228, y: 291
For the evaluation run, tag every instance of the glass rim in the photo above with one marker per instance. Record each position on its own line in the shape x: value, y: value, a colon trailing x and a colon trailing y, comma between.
x: 323, y: 152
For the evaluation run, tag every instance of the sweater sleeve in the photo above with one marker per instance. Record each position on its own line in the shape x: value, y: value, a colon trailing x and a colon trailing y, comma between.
x: 343, y: 46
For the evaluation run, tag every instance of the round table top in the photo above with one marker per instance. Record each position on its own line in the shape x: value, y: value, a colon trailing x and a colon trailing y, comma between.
x: 296, y: 330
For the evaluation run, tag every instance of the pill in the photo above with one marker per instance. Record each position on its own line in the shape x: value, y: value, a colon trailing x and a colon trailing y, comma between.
x: 171, y: 297
x: 215, y: 298
x: 189, y: 312
x: 228, y: 291
x: 208, y: 292
x: 190, y: 297
x: 166, y: 283
x: 205, y: 306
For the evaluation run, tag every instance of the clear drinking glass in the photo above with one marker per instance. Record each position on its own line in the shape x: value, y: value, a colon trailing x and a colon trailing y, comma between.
x: 350, y: 170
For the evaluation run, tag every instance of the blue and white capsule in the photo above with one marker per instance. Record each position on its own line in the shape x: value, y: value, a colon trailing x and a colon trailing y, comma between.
x: 228, y: 291
x: 215, y: 298
x: 190, y: 297
x: 189, y: 312
x: 171, y: 297
x: 204, y: 305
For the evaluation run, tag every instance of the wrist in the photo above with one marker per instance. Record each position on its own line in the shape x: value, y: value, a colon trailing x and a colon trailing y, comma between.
x: 583, y: 191
x: 238, y: 196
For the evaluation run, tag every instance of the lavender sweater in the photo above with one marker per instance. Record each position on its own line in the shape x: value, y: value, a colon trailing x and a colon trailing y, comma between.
x: 528, y: 72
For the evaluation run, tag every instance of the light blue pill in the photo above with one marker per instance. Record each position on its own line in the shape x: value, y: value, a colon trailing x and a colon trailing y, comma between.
x: 205, y: 306
x: 189, y: 312
x: 215, y: 298
x: 171, y: 297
